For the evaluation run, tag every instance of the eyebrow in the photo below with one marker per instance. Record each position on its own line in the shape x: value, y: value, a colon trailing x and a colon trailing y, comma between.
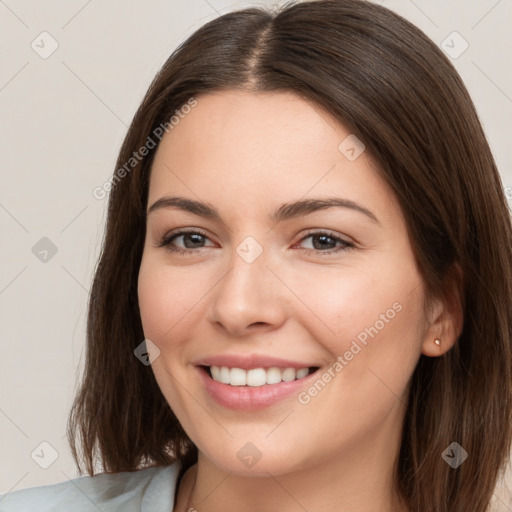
x: 283, y: 212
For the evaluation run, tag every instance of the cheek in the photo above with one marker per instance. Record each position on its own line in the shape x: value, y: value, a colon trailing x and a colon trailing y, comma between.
x: 374, y: 351
x: 343, y: 303
x: 152, y: 303
x: 166, y: 303
x: 370, y: 318
x: 166, y: 297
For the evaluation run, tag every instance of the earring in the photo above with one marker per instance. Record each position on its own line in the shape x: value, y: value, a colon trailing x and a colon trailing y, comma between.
x: 437, y: 342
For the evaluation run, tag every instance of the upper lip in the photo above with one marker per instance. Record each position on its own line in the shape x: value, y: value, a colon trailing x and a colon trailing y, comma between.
x: 248, y: 362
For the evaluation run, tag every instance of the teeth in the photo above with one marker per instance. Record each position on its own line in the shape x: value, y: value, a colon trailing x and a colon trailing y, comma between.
x: 273, y: 376
x: 237, y: 377
x: 303, y: 372
x: 257, y: 376
x: 289, y: 374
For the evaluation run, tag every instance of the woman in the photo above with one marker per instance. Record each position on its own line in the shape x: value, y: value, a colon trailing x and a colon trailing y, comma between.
x: 304, y: 296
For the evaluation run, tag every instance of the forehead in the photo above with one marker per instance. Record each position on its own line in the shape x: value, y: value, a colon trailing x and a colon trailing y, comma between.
x: 238, y: 125
x: 240, y: 148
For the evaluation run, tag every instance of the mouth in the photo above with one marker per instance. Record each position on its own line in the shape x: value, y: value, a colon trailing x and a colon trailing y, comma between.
x: 250, y: 382
x: 253, y: 389
x: 256, y: 377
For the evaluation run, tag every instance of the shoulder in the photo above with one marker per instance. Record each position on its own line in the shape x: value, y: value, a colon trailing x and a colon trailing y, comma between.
x: 145, y: 490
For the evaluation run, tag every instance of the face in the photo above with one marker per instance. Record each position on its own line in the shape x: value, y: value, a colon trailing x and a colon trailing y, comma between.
x: 329, y: 297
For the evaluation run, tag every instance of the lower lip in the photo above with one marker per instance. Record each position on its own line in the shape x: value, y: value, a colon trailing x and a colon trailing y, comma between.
x: 248, y: 398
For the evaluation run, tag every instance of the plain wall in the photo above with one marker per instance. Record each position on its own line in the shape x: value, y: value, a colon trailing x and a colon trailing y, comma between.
x: 63, y: 119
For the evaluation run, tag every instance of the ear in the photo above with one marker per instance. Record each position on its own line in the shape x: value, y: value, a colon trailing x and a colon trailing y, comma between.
x: 446, y: 318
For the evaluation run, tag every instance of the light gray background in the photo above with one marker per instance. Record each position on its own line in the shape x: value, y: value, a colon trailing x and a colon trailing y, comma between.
x: 63, y: 119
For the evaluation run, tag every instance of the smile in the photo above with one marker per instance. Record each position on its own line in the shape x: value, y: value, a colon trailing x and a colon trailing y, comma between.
x: 253, y: 389
x: 257, y: 377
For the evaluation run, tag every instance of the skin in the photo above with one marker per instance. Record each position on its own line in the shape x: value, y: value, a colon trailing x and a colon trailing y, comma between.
x: 246, y: 154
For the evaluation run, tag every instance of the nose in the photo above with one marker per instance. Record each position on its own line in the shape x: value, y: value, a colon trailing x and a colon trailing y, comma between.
x: 249, y: 297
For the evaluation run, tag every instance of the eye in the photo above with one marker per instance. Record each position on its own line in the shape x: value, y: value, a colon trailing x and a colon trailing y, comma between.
x: 326, y: 240
x: 196, y: 239
x: 192, y: 238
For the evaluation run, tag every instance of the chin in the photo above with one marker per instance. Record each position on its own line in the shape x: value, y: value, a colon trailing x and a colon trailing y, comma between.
x: 248, y: 459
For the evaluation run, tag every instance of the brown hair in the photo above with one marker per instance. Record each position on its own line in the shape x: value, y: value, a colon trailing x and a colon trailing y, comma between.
x: 383, y: 79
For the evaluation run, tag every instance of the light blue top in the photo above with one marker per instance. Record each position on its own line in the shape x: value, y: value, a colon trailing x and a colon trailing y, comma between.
x: 146, y: 490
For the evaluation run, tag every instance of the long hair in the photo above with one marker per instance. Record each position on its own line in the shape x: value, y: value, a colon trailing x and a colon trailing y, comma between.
x: 383, y: 79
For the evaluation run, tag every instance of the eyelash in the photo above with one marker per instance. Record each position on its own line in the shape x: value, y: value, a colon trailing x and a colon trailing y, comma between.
x: 167, y: 239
